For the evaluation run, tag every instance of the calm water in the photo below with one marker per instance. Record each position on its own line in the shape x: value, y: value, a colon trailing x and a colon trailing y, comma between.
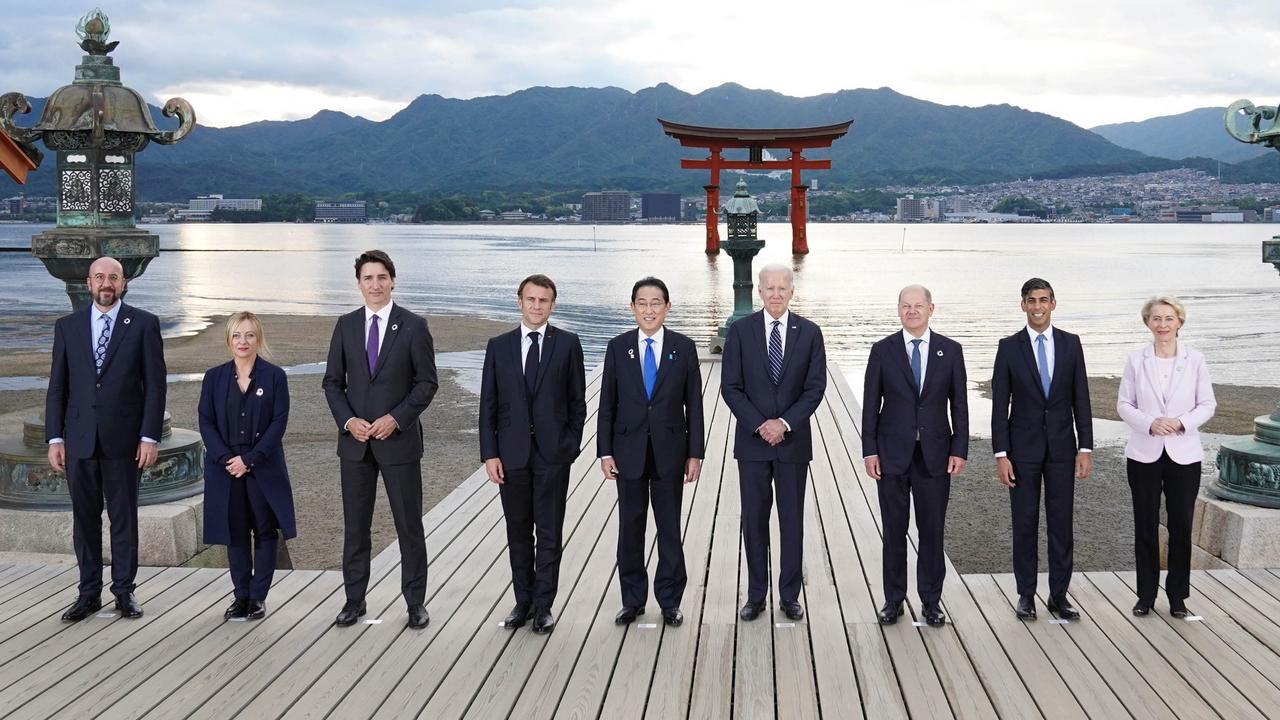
x: 848, y: 284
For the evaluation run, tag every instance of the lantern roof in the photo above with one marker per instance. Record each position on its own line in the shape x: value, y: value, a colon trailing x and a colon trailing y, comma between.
x: 742, y: 203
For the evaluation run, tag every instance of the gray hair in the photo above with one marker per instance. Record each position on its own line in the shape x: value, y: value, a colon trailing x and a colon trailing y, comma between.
x: 928, y: 296
x: 778, y: 268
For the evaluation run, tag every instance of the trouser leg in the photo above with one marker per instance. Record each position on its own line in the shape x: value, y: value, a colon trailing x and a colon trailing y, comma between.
x: 239, y: 527
x: 1144, y: 484
x: 1181, y: 486
x: 669, y: 582
x: 755, y: 483
x: 550, y: 495
x: 931, y: 494
x: 516, y: 493
x: 84, y: 482
x: 633, y: 511
x: 1024, y: 504
x: 789, y: 486
x: 1059, y: 517
x: 359, y: 488
x: 266, y: 543
x: 894, y: 492
x: 404, y: 493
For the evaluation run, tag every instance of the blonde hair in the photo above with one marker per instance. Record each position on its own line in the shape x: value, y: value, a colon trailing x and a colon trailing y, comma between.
x: 1178, y: 308
x: 244, y: 315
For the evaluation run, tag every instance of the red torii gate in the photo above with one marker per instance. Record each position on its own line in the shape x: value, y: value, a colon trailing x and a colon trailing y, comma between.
x: 755, y: 140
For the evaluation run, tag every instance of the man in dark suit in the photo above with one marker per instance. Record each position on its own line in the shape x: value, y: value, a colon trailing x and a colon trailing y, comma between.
x: 379, y: 378
x: 103, y: 416
x: 915, y: 379
x: 773, y: 378
x: 532, y: 410
x: 650, y: 437
x: 1039, y: 403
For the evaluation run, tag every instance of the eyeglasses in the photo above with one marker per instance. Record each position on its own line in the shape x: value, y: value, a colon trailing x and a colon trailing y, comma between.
x: 649, y: 304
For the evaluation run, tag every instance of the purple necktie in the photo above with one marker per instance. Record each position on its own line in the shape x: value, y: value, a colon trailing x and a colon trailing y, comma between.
x: 371, y: 347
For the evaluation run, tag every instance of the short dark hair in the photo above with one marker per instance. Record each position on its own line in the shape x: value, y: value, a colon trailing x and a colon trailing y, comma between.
x: 650, y: 281
x: 541, y: 281
x: 375, y: 256
x: 1036, y: 284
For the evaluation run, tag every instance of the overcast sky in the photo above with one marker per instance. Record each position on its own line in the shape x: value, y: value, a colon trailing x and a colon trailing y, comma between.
x: 237, y: 61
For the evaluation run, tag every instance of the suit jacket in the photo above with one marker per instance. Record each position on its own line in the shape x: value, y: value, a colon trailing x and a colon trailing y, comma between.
x: 115, y: 409
x: 1189, y: 399
x: 510, y: 419
x: 672, y: 418
x: 268, y: 409
x: 1025, y: 424
x: 753, y: 397
x: 894, y: 414
x: 402, y: 383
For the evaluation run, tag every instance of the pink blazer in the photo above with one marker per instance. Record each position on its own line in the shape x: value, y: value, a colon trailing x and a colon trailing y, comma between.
x: 1190, y: 400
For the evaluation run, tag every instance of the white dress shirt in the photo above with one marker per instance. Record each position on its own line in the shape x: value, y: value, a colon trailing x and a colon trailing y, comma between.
x: 782, y: 330
x: 524, y: 341
x: 924, y: 350
x: 657, y: 345
x: 384, y: 318
x: 1048, y: 348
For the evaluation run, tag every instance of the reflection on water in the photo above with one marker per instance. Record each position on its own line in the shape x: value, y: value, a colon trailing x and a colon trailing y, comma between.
x: 848, y: 284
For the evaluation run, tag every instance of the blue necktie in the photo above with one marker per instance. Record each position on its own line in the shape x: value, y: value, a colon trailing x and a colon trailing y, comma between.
x: 1044, y: 365
x: 100, y: 352
x: 775, y: 353
x: 915, y: 364
x: 650, y: 368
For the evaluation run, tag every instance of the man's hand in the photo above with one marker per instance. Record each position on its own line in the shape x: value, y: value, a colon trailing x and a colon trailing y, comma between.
x: 1084, y: 465
x: 58, y: 456
x: 146, y: 455
x: 692, y: 470
x: 872, y: 463
x: 955, y: 465
x: 493, y: 467
x: 236, y: 467
x: 609, y: 468
x: 1004, y: 472
x: 359, y: 429
x: 772, y: 431
x: 382, y: 428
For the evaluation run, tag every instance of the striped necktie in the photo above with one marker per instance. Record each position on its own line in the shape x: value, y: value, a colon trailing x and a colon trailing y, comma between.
x: 775, y: 353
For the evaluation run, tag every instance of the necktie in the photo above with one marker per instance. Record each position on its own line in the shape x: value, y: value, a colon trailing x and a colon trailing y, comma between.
x: 775, y: 353
x: 1044, y: 364
x: 650, y: 368
x: 916, y: 370
x: 371, y: 347
x: 531, y: 364
x: 100, y: 352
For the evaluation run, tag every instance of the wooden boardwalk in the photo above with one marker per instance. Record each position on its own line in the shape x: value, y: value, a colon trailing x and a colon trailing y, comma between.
x: 181, y: 660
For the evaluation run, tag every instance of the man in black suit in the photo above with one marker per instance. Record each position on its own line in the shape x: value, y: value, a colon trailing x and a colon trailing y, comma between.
x: 650, y: 437
x: 915, y: 379
x: 532, y: 410
x: 379, y: 378
x: 773, y: 378
x: 103, y: 416
x: 1039, y: 403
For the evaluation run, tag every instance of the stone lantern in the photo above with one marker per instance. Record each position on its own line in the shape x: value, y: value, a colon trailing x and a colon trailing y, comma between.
x: 741, y: 213
x: 96, y: 126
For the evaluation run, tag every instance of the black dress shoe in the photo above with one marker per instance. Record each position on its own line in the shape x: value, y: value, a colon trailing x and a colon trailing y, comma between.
x: 1178, y: 609
x: 128, y: 605
x: 543, y: 621
x: 418, y: 617
x: 84, y: 606
x: 933, y: 615
x: 672, y: 617
x: 519, y: 615
x: 352, y: 611
x: 1063, y: 608
x: 751, y: 610
x: 627, y: 615
x: 890, y: 613
x: 238, y: 609
x: 1026, y: 607
x: 792, y: 609
x: 1141, y: 608
x: 256, y: 610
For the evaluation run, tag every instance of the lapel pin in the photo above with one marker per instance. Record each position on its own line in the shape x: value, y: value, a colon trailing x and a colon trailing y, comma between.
x: 126, y: 320
x: 259, y: 393
x: 394, y: 328
x: 672, y: 356
x: 631, y: 353
x: 939, y: 353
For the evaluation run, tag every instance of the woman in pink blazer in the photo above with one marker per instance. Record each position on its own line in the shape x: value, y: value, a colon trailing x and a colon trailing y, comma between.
x: 1165, y: 396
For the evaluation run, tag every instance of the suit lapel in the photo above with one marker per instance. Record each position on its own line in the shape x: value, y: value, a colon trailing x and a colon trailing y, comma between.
x: 1059, y: 360
x: 388, y: 339
x: 897, y: 349
x: 935, y: 369
x: 788, y: 348
x: 123, y: 320
x: 221, y: 391
x: 1029, y: 354
x: 86, y: 340
x: 353, y: 335
x: 666, y: 361
x: 1153, y: 376
x: 548, y: 347
x: 633, y: 362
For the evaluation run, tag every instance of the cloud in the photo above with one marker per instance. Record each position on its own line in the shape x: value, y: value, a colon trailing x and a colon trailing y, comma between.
x: 1089, y: 61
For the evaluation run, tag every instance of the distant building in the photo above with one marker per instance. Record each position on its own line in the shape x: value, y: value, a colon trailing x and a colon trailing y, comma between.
x: 692, y: 209
x: 1271, y: 214
x: 1208, y: 214
x: 487, y: 214
x: 910, y: 209
x: 660, y: 206
x: 514, y: 215
x: 15, y: 205
x: 959, y: 204
x: 607, y: 206
x: 344, y: 211
x: 200, y: 208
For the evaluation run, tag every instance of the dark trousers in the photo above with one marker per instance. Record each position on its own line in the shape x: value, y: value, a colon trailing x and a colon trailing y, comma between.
x: 533, y: 501
x: 930, y: 493
x: 90, y: 480
x: 758, y: 482
x: 252, y: 560
x: 404, y: 493
x: 634, y: 497
x: 1180, y: 484
x: 1058, y: 480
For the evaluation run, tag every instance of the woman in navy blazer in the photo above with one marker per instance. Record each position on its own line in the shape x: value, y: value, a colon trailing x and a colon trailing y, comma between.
x: 1165, y: 397
x: 244, y: 408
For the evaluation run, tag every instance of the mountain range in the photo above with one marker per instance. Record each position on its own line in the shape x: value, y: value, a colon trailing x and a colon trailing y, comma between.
x: 1200, y: 132
x: 598, y: 138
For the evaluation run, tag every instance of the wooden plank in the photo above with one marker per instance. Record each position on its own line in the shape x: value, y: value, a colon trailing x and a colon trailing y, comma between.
x: 1248, y: 604
x: 753, y: 677
x: 21, y: 617
x: 794, y: 681
x: 10, y: 573
x: 64, y: 576
x: 1174, y: 647
x: 1265, y: 580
